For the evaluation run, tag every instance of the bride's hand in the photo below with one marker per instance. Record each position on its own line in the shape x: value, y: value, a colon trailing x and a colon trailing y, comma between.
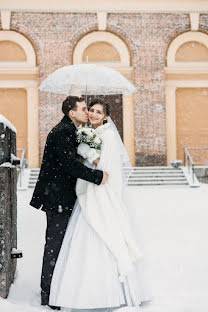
x: 96, y: 161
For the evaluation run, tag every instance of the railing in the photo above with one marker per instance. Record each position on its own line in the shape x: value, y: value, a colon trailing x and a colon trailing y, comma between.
x: 195, y: 157
x: 22, y: 165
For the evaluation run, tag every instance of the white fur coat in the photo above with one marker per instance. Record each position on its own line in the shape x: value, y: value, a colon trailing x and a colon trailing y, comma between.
x: 102, y: 205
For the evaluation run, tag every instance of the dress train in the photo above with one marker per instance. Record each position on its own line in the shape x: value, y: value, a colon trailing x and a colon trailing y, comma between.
x: 86, y: 274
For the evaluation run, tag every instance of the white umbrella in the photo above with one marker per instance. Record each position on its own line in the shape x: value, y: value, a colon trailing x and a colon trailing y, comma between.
x: 89, y: 79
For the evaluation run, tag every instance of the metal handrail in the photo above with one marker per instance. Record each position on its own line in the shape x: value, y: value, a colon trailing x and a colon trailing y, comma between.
x: 22, y: 164
x: 188, y: 160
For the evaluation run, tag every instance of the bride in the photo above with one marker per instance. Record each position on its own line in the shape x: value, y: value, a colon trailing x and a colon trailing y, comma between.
x: 99, y: 264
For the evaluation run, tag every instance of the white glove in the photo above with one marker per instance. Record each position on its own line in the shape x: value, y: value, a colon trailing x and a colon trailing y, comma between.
x: 87, y: 152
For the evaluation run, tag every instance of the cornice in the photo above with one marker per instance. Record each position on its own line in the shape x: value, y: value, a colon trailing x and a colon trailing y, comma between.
x: 113, y: 6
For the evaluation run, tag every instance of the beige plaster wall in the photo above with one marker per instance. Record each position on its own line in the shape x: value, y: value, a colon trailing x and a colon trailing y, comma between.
x: 192, y: 51
x: 191, y: 118
x: 11, y: 51
x: 13, y: 105
x: 101, y: 52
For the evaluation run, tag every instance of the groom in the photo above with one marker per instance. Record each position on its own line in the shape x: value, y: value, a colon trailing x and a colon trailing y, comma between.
x: 55, y: 188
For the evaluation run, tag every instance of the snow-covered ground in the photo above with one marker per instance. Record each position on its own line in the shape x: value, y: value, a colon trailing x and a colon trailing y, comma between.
x: 171, y: 225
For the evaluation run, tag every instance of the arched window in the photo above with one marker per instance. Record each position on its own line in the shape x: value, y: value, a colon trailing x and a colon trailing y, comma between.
x: 187, y: 93
x: 18, y: 91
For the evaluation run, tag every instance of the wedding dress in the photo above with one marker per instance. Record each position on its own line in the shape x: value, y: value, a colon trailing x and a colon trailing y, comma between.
x: 99, y: 265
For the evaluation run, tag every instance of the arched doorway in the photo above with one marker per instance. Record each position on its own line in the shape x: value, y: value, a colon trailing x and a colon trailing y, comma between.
x: 187, y: 94
x: 107, y: 49
x: 19, y: 92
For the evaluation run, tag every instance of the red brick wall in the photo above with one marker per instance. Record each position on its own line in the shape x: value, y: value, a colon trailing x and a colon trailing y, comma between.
x: 54, y: 36
x: 149, y: 36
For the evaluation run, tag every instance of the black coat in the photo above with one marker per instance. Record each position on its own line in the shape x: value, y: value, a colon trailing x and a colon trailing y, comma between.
x: 55, y: 188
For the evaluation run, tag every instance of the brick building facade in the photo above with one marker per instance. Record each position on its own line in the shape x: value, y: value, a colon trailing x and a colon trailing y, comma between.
x: 148, y: 36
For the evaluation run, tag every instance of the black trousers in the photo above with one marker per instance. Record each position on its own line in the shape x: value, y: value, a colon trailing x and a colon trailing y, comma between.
x: 55, y: 231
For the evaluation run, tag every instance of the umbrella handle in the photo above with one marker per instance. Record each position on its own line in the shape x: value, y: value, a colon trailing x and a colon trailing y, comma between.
x: 86, y: 85
x: 86, y: 95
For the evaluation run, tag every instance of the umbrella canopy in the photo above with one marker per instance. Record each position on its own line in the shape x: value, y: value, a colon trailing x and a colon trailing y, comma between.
x: 89, y: 78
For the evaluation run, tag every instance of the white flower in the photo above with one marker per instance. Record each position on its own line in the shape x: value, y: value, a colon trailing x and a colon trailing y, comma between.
x: 97, y: 140
x: 90, y: 132
x: 79, y: 131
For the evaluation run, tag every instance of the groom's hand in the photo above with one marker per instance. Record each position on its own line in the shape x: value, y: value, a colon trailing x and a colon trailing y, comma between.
x: 105, y: 177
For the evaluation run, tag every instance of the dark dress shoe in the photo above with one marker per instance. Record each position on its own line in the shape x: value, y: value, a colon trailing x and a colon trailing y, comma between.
x: 45, y: 300
x: 54, y: 308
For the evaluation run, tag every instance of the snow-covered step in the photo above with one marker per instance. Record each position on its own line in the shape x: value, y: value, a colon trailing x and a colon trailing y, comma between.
x: 157, y: 179
x: 33, y: 177
x: 143, y: 174
x: 135, y: 169
x: 150, y: 183
x: 146, y: 176
x: 156, y: 171
x: 157, y: 176
x: 22, y: 183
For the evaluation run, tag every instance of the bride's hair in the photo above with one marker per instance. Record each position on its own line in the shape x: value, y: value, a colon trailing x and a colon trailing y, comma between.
x: 105, y: 105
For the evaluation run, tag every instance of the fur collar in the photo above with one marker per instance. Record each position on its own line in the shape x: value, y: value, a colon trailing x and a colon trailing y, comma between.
x: 102, y: 128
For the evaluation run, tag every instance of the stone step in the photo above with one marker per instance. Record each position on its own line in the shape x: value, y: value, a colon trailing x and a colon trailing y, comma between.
x: 156, y: 171
x: 141, y: 176
x: 31, y: 186
x: 153, y: 174
x: 161, y: 171
x: 154, y: 168
x: 157, y: 179
x: 151, y: 183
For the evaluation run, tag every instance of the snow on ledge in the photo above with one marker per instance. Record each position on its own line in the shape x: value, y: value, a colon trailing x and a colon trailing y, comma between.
x: 7, y: 123
x: 15, y: 251
x: 13, y: 157
x: 7, y: 164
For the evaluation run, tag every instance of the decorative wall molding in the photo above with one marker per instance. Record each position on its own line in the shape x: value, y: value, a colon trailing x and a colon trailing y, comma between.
x: 114, y: 6
x: 102, y: 20
x: 25, y: 44
x: 5, y: 19
x: 194, y: 20
x: 108, y: 37
x: 178, y: 41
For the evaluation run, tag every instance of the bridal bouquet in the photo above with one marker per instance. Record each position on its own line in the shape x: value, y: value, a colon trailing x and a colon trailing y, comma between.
x: 88, y: 136
x: 89, y: 144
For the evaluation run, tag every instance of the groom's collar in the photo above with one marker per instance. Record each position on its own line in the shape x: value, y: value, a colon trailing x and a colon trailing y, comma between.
x: 68, y: 121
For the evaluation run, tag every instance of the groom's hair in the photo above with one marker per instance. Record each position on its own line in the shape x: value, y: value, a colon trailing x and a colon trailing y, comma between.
x: 70, y: 103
